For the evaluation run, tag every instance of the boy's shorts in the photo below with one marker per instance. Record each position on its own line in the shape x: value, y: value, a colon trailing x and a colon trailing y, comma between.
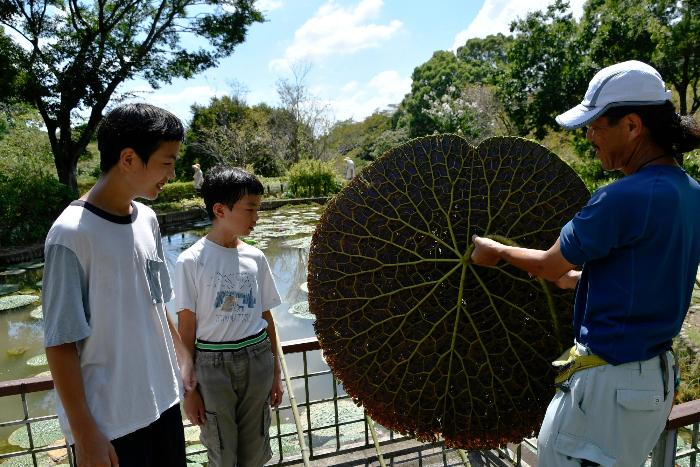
x: 235, y: 387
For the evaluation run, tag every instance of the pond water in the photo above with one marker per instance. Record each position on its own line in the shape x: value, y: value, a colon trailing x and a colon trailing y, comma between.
x: 284, y: 235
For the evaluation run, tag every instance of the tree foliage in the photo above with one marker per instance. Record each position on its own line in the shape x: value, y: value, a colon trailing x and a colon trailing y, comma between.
x: 547, y: 74
x: 78, y: 53
x: 430, y: 344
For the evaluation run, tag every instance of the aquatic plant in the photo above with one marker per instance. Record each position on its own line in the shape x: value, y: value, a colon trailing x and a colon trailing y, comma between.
x: 15, y: 302
x: 44, y: 432
x: 301, y: 310
x: 430, y: 344
x: 38, y: 360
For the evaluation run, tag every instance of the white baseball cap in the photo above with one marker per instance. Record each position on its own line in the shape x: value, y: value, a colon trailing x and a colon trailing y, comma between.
x: 626, y: 83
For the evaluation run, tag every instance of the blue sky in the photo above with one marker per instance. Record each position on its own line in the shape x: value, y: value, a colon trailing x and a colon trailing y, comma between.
x: 360, y: 53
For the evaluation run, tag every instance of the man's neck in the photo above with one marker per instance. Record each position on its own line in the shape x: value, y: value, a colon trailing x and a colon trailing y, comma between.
x: 110, y: 196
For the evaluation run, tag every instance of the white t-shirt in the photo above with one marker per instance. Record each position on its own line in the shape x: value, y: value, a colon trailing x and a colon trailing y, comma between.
x: 226, y: 288
x: 105, y: 285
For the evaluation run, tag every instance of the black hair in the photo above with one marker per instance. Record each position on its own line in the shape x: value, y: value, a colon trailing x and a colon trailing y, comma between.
x: 141, y: 127
x: 674, y: 133
x: 226, y: 184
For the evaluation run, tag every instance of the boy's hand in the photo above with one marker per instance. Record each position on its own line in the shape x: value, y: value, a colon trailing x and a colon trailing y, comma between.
x: 486, y: 251
x: 194, y: 407
x: 93, y: 449
x: 277, y: 390
x: 187, y: 373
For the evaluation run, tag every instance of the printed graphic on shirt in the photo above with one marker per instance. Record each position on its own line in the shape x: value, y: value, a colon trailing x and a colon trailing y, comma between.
x: 235, y: 296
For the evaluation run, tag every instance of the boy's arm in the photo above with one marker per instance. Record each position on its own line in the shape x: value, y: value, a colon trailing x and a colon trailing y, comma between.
x: 277, y: 390
x: 184, y: 357
x: 194, y: 405
x: 92, y: 448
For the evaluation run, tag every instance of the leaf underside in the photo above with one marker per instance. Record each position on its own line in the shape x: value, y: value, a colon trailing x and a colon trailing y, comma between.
x: 430, y: 344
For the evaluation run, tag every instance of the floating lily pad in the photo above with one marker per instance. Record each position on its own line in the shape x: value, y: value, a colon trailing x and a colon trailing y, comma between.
x: 301, y: 310
x: 42, y: 458
x: 17, y: 351
x: 192, y: 434
x: 323, y: 414
x: 15, y: 302
x: 43, y: 373
x: 196, y: 459
x: 44, y: 432
x: 37, y: 313
x: 39, y: 360
x: 301, y: 243
x: 8, y: 288
x: 304, y: 286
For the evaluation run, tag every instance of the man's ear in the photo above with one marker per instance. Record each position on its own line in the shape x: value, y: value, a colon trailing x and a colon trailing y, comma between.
x: 129, y: 160
x: 633, y: 124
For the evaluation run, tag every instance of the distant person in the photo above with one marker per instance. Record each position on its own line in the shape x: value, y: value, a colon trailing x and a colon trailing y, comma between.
x: 110, y: 343
x: 638, y: 240
x: 349, y: 169
x: 198, y: 179
x: 225, y: 291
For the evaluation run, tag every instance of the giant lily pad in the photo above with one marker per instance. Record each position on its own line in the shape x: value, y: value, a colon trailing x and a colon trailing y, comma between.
x: 15, y: 302
x: 301, y: 310
x: 44, y: 432
x: 8, y: 288
x: 430, y: 344
x: 38, y: 360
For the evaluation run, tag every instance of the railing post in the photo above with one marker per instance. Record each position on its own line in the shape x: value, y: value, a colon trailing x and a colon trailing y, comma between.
x: 664, y: 452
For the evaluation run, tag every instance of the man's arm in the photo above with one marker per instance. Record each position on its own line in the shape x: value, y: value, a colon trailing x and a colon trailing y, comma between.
x: 194, y: 405
x: 549, y: 265
x: 277, y: 389
x: 92, y: 448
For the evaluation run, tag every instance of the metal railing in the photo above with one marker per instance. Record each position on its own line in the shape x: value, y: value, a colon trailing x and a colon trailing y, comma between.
x: 345, y: 438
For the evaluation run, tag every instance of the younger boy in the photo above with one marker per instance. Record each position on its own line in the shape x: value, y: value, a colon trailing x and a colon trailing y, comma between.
x: 110, y: 344
x: 225, y: 291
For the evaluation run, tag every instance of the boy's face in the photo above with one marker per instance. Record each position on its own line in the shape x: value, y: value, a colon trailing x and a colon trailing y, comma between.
x: 151, y: 177
x: 240, y: 220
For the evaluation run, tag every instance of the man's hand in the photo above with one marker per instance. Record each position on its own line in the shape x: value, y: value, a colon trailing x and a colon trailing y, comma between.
x: 194, y: 407
x: 277, y: 390
x: 568, y: 280
x: 486, y: 251
x: 93, y: 449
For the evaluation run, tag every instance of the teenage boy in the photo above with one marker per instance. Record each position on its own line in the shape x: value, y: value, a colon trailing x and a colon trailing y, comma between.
x: 225, y: 291
x: 110, y: 344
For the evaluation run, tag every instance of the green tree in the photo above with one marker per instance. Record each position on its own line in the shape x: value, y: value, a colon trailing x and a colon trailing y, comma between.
x: 78, y: 53
x: 485, y: 59
x: 664, y: 33
x: 433, y: 78
x: 547, y: 71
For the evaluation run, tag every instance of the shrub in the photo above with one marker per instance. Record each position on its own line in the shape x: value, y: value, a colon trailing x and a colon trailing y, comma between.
x: 312, y: 178
x: 175, y: 191
x: 29, y: 203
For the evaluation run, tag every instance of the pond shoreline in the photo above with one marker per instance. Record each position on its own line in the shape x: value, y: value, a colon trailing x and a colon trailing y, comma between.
x: 168, y: 221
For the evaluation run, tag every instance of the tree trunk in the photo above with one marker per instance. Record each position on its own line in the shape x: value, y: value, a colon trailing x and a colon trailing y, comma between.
x: 66, y: 168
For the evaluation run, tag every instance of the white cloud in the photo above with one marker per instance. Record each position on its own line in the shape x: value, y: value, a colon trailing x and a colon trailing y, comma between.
x: 336, y: 30
x: 496, y: 15
x: 358, y: 102
x: 268, y: 5
x: 176, y: 102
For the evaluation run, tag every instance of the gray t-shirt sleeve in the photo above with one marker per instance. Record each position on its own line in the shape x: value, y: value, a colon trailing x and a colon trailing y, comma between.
x: 64, y: 297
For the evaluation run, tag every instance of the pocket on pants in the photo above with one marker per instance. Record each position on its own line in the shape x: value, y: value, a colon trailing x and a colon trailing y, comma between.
x: 640, y: 400
x: 210, y: 435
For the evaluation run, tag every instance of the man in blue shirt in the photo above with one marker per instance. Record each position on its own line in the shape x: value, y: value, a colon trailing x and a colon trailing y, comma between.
x: 638, y: 242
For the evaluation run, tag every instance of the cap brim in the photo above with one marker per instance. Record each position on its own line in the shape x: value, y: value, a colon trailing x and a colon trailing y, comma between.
x: 579, y: 116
